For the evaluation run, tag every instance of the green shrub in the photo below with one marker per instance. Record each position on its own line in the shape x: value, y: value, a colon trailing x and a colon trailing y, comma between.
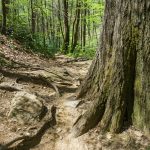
x: 86, y: 52
x: 35, y: 42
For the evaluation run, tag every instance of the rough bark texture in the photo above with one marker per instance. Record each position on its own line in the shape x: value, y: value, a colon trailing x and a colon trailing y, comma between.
x: 119, y: 77
x: 141, y: 115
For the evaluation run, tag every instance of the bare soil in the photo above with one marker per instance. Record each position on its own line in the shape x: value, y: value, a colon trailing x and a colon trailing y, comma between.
x: 58, y: 137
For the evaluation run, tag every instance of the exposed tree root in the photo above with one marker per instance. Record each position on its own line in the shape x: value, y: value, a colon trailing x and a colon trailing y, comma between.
x: 76, y: 60
x: 9, y: 87
x: 49, y: 78
x: 28, y: 142
x: 89, y: 119
x: 56, y: 89
x: 47, y: 98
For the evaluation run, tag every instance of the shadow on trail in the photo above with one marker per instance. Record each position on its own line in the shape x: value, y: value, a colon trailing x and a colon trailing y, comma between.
x: 30, y: 142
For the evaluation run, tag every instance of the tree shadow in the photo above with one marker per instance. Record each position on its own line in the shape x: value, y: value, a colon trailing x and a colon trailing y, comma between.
x: 30, y: 142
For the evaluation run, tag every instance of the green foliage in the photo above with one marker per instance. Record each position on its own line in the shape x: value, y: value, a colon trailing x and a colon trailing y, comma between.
x: 34, y: 42
x: 48, y: 37
x: 86, y: 52
x: 148, y: 148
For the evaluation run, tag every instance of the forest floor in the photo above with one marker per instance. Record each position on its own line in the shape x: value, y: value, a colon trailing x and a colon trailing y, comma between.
x: 72, y: 72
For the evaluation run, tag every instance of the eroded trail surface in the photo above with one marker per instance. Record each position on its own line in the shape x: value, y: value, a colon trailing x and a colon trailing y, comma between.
x: 54, y: 83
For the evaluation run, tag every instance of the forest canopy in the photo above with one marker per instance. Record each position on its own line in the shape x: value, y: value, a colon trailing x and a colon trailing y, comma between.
x: 50, y: 26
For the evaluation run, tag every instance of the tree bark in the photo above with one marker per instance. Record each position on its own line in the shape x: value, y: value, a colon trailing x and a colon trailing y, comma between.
x: 59, y: 19
x: 33, y: 16
x: 84, y: 25
x: 141, y: 113
x: 4, y: 12
x: 76, y: 26
x: 67, y: 30
x: 118, y: 80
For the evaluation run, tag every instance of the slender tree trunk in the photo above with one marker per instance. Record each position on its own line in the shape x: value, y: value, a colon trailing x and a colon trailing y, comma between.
x: 44, y: 24
x: 118, y: 80
x: 84, y: 25
x: 59, y: 19
x: 38, y: 22
x: 43, y: 30
x: 81, y: 28
x: 33, y: 17
x: 89, y: 26
x: 76, y: 28
x: 53, y: 23
x: 4, y: 13
x: 66, y: 32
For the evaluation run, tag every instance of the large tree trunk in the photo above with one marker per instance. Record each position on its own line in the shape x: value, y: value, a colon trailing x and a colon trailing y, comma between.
x: 119, y: 77
x: 141, y: 112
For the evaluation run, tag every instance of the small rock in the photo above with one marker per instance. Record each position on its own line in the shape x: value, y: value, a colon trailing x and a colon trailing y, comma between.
x: 73, y: 104
x: 109, y: 136
x: 27, y: 134
x: 138, y: 133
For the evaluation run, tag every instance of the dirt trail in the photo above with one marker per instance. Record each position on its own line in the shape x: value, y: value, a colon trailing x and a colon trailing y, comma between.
x: 66, y: 140
x: 58, y: 137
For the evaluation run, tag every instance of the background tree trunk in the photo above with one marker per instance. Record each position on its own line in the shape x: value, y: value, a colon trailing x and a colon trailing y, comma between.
x: 67, y: 30
x: 84, y: 25
x: 119, y: 77
x: 33, y: 16
x: 59, y: 19
x: 4, y: 12
x: 76, y: 26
